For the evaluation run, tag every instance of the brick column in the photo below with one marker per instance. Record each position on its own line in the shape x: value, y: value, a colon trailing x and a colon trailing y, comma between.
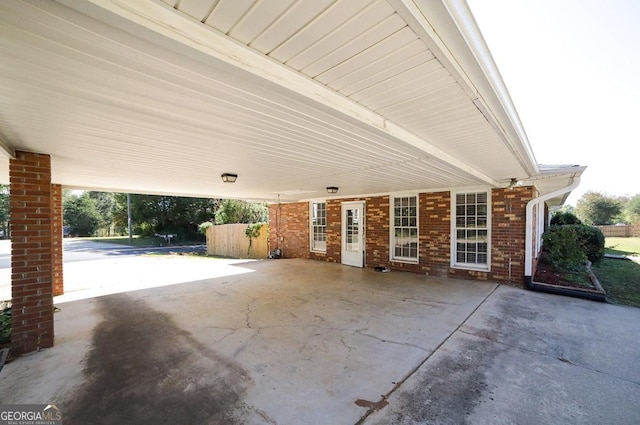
x: 508, y: 231
x: 56, y: 239
x: 31, y: 252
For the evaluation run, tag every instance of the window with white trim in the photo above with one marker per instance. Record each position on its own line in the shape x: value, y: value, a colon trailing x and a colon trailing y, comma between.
x: 404, y: 229
x: 318, y: 224
x: 470, y: 247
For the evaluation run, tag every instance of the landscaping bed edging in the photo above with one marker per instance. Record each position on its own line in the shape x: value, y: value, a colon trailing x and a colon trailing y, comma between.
x: 597, y: 294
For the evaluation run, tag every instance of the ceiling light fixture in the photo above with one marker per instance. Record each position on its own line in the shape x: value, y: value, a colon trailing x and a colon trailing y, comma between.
x: 229, y: 178
x: 332, y: 189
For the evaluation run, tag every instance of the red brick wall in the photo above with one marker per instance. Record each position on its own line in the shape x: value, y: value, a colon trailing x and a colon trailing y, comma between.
x: 56, y: 239
x: 31, y: 253
x: 507, y: 229
x: 435, y: 233
x: 289, y: 229
x: 334, y: 232
x: 377, y: 231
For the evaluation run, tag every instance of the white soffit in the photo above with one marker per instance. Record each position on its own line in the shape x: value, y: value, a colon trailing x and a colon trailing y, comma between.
x: 293, y: 96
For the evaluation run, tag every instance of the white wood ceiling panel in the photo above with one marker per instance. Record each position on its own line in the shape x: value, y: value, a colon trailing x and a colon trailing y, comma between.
x: 258, y: 18
x: 377, y: 57
x: 427, y: 91
x: 198, y: 9
x: 233, y: 110
x: 289, y: 23
x: 125, y: 112
x: 368, y: 18
x: 358, y: 44
x: 423, y: 106
x: 404, y: 84
x: 396, y: 62
x: 227, y: 13
x: 448, y: 118
x: 332, y: 18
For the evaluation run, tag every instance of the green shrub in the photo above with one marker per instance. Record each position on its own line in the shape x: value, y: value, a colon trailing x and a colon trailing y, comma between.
x: 562, y: 248
x: 564, y: 217
x: 569, y: 246
x: 592, y: 242
x: 203, y: 227
x: 5, y: 325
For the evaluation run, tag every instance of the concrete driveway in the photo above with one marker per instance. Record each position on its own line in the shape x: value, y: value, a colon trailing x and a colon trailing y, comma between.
x: 302, y: 342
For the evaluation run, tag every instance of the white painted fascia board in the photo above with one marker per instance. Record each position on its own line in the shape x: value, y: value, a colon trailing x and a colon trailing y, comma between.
x: 453, y: 36
x: 468, y: 27
x: 163, y: 20
x: 574, y: 170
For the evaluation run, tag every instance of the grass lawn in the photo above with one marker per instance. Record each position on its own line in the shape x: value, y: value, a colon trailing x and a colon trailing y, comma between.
x: 620, y: 278
x: 124, y: 240
x: 622, y: 246
x: 142, y: 242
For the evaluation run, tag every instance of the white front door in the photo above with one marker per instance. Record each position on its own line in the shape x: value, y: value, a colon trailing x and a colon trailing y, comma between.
x: 353, y: 233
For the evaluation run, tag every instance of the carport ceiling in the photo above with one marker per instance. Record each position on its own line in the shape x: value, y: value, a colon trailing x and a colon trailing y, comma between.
x: 146, y: 96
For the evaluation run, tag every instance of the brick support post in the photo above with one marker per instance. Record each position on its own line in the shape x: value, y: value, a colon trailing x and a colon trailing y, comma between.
x: 31, y: 252
x: 56, y: 239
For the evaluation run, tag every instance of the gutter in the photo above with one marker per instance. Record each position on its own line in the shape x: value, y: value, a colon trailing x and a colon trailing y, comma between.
x: 528, y: 251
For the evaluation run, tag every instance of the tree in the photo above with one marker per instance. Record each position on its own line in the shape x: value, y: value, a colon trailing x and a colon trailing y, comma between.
x: 105, y: 205
x: 632, y: 210
x: 236, y: 211
x: 81, y: 214
x: 153, y: 214
x: 597, y: 209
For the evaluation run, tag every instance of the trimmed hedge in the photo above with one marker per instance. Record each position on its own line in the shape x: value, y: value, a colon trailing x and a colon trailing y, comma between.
x: 592, y: 241
x: 569, y: 246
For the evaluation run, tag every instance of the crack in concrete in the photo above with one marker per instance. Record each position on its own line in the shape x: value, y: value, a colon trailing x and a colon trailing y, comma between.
x: 243, y: 346
x: 420, y: 416
x: 404, y: 344
x: 247, y: 315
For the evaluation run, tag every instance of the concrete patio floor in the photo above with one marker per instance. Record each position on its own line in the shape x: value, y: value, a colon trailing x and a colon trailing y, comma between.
x: 203, y: 341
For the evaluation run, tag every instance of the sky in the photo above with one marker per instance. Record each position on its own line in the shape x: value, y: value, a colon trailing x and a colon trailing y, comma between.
x: 572, y: 68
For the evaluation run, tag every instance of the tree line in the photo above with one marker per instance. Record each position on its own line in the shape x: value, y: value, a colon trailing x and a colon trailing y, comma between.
x: 106, y: 214
x: 595, y: 209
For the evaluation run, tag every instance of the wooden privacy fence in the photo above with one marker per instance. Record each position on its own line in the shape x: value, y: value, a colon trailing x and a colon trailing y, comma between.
x: 230, y: 240
x: 626, y: 231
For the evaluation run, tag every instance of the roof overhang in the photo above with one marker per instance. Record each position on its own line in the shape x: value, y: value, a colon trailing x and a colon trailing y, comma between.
x: 553, y: 178
x: 163, y: 97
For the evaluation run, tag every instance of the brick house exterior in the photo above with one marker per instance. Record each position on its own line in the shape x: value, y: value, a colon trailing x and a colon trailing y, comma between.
x: 290, y: 231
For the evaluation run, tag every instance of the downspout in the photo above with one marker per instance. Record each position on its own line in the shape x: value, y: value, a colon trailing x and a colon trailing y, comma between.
x: 528, y: 250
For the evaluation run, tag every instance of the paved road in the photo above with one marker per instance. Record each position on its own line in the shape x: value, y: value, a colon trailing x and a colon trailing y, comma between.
x: 83, y: 250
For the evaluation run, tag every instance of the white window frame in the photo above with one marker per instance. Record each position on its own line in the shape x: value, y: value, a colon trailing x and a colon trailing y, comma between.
x: 454, y: 232
x: 392, y: 229
x: 312, y: 226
